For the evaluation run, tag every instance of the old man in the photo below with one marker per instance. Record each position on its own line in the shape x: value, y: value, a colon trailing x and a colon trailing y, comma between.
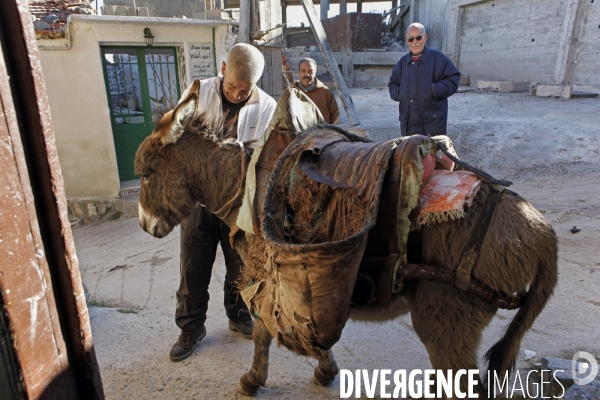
x: 421, y: 82
x: 234, y: 97
x: 317, y: 91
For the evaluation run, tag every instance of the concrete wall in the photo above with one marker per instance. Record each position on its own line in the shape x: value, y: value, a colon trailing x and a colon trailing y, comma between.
x: 545, y: 41
x: 77, y: 95
x: 372, y: 75
x: 511, y: 40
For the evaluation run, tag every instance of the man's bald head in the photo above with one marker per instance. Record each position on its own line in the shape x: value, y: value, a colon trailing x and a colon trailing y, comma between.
x: 245, y: 62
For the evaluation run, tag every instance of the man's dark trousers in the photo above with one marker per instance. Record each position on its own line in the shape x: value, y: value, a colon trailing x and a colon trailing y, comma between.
x: 201, y: 232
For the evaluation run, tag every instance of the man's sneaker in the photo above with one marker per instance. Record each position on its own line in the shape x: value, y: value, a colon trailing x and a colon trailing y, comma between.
x: 185, y: 344
x: 243, y: 327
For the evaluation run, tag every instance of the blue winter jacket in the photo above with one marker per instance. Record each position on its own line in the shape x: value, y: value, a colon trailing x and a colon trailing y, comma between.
x: 422, y: 88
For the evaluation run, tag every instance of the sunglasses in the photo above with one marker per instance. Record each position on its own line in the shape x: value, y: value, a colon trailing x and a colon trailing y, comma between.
x: 412, y: 38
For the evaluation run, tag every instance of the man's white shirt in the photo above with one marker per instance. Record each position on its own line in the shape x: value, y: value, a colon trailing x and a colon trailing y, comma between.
x: 254, y: 116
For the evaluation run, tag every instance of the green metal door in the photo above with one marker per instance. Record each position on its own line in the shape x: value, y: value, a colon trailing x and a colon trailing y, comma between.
x: 139, y: 81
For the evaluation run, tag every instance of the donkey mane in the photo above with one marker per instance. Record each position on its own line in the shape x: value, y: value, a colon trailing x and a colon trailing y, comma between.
x: 219, y: 131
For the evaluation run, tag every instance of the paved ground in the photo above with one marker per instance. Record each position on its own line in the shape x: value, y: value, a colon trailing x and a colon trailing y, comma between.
x: 548, y: 147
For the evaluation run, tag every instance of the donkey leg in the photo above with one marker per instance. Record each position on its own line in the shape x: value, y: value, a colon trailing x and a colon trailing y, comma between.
x: 257, y: 376
x: 449, y: 323
x: 326, y: 370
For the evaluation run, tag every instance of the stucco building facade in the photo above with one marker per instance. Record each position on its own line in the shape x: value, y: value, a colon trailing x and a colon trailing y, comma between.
x: 104, y: 83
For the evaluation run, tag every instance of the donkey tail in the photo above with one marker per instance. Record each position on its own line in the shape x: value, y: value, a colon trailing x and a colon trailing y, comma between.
x: 502, y: 355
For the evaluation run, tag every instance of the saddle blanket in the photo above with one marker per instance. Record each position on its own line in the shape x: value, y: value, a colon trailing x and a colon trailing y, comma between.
x: 444, y: 196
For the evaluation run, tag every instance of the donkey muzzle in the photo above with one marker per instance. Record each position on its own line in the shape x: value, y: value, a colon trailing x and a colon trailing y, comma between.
x: 151, y: 224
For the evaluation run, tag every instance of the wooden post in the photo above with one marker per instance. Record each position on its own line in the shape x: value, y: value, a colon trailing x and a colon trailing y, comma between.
x: 270, y: 17
x: 348, y: 68
x: 284, y: 14
x: 255, y: 16
x: 359, y: 6
x: 343, y: 7
x: 332, y: 64
x: 265, y: 19
x: 245, y: 13
x: 272, y: 78
x: 324, y: 9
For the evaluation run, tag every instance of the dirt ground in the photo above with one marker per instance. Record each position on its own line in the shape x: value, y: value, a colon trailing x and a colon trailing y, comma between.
x: 548, y: 147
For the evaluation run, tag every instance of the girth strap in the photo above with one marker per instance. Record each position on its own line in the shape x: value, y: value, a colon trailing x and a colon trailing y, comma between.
x: 478, y: 234
x: 478, y: 289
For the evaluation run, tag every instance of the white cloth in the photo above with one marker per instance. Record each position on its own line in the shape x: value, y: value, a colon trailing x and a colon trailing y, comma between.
x: 244, y: 218
x: 254, y: 116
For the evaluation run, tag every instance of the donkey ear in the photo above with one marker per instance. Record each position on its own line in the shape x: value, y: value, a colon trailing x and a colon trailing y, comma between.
x: 183, y: 113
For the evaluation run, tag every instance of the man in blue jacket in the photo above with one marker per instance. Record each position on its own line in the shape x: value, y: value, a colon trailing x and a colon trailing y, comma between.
x: 421, y: 82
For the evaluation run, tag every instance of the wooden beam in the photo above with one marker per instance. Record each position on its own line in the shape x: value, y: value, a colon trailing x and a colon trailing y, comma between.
x: 404, y: 11
x: 343, y: 7
x: 332, y: 64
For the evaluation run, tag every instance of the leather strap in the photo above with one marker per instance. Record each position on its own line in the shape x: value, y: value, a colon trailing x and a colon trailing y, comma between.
x: 478, y: 234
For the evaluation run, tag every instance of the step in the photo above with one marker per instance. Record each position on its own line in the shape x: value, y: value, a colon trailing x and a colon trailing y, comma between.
x: 583, y: 95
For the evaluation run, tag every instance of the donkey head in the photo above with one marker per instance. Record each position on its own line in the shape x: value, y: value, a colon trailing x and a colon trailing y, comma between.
x: 161, y: 162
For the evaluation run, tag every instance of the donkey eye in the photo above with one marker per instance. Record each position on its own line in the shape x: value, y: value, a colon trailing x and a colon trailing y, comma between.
x: 145, y: 177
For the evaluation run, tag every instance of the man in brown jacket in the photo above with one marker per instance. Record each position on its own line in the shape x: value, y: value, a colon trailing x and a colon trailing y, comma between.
x: 316, y: 91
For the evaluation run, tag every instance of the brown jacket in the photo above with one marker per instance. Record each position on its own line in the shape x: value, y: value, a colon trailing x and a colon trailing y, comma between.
x: 325, y: 101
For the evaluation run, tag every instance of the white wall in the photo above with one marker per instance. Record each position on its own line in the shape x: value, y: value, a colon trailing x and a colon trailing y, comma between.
x: 77, y: 94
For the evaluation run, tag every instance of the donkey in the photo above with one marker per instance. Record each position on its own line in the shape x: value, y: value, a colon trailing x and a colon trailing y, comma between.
x: 185, y: 161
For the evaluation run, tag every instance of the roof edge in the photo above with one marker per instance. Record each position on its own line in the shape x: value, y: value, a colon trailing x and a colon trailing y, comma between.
x: 149, y: 20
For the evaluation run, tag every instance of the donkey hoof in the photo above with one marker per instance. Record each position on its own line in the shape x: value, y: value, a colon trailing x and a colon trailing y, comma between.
x: 322, y: 380
x: 245, y: 388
